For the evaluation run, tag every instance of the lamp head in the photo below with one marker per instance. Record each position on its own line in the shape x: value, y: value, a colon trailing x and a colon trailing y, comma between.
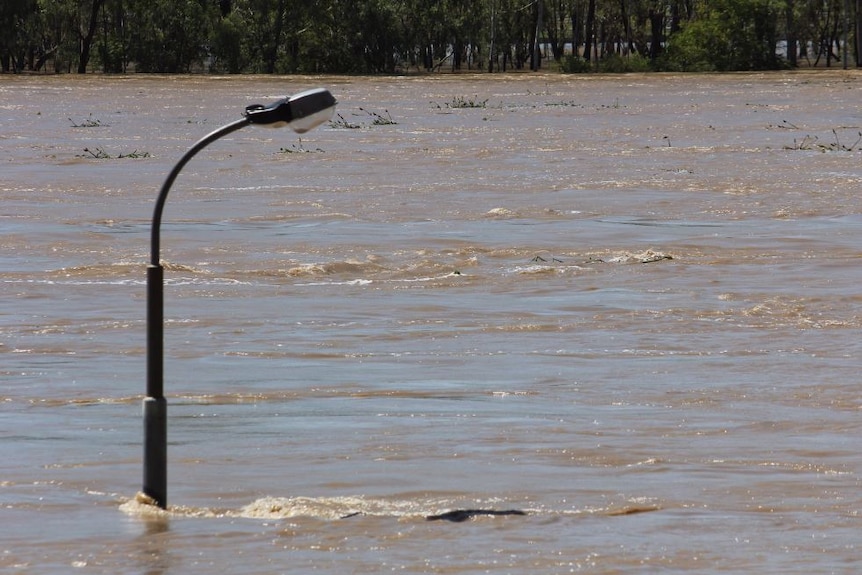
x: 303, y: 111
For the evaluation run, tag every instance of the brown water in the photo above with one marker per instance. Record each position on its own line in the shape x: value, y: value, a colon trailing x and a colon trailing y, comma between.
x: 628, y: 306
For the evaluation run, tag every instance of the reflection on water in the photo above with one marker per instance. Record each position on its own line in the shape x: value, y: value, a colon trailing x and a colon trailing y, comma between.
x: 626, y: 306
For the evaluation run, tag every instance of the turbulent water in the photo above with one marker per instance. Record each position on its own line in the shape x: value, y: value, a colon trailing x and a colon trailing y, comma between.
x: 627, y: 306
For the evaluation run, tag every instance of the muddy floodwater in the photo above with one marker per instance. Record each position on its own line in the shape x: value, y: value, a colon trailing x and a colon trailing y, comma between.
x: 626, y: 306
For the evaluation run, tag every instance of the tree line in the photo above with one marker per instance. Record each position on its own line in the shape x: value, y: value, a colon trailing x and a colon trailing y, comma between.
x: 390, y: 36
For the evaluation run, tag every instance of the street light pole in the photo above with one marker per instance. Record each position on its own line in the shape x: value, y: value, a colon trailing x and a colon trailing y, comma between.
x: 302, y: 112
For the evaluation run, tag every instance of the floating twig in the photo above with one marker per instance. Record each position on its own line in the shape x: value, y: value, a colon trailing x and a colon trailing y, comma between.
x: 340, y: 122
x: 88, y: 123
x: 540, y: 259
x: 100, y: 154
x: 380, y: 120
x: 298, y: 148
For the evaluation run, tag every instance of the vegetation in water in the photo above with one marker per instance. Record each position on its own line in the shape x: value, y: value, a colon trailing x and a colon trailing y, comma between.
x: 341, y: 122
x: 809, y: 143
x: 89, y: 122
x: 462, y: 102
x: 376, y: 120
x: 100, y: 154
x: 298, y: 149
x: 380, y: 119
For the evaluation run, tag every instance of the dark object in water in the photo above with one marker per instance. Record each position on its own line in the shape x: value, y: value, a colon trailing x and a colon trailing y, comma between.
x: 459, y: 515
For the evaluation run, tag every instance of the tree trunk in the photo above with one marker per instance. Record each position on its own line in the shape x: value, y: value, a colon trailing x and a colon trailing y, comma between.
x: 675, y: 17
x: 87, y: 39
x: 576, y: 30
x: 858, y: 34
x: 791, y: 35
x: 536, y: 60
x: 491, y: 49
x: 272, y: 52
x: 591, y: 29
x: 656, y: 20
x: 627, y: 28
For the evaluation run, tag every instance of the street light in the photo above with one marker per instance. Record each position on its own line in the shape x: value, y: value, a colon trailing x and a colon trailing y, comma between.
x: 303, y: 112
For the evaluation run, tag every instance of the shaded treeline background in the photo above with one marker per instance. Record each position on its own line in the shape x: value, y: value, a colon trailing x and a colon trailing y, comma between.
x: 384, y: 36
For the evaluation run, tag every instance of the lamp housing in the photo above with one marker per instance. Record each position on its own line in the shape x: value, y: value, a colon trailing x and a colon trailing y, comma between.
x: 302, y: 112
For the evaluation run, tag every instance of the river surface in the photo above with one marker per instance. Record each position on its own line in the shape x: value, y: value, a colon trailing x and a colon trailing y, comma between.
x: 628, y: 306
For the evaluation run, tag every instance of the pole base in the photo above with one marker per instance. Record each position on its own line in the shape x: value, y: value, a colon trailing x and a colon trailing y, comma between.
x: 156, y: 450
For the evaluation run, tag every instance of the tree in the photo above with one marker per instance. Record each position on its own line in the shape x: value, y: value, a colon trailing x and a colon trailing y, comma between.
x: 169, y: 36
x: 13, y: 43
x: 658, y: 23
x: 590, y: 35
x: 728, y: 35
x: 87, y: 34
x: 558, y: 17
x: 790, y: 33
x: 384, y: 36
x: 227, y: 44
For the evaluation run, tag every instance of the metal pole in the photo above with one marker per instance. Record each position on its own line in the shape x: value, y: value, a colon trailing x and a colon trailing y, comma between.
x: 305, y: 111
x: 155, y: 406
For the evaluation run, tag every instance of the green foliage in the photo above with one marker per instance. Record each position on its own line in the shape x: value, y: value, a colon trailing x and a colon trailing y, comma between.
x: 729, y: 35
x: 228, y: 54
x: 169, y: 37
x: 394, y: 36
x: 616, y: 64
x: 575, y: 65
x: 111, y: 54
x: 610, y: 64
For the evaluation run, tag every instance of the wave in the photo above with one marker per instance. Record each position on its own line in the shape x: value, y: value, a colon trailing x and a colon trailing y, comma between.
x: 355, y: 272
x: 451, y: 508
x: 100, y: 270
x: 416, y: 266
x: 351, y: 267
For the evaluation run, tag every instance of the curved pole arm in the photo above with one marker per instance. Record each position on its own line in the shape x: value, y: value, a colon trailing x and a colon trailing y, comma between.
x: 166, y: 187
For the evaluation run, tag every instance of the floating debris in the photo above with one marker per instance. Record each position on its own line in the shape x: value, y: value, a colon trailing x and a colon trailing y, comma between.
x: 459, y: 515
